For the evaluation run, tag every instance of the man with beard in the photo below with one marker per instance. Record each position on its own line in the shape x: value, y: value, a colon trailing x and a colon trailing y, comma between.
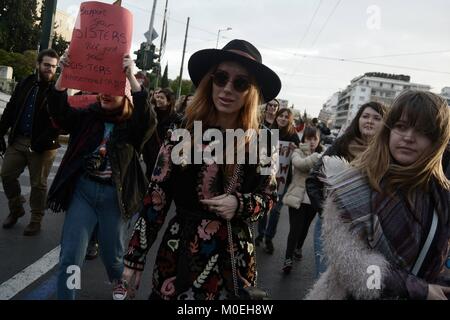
x: 32, y: 142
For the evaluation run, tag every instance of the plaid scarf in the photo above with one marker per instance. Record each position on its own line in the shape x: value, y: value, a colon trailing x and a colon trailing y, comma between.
x: 390, y: 225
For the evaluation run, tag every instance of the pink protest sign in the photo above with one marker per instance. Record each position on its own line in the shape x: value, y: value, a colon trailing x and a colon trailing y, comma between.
x: 100, y: 38
x: 82, y: 101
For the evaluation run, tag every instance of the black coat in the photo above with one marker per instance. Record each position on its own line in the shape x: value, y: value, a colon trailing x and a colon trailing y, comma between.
x: 315, y: 187
x: 151, y: 149
x: 86, y: 127
x: 44, y: 135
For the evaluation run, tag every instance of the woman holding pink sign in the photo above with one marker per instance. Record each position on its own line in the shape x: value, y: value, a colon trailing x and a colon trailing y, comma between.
x: 100, y: 180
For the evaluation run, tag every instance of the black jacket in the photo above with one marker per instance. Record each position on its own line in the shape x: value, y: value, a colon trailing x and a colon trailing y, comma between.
x: 314, y: 187
x: 150, y: 150
x: 44, y: 136
x: 86, y: 127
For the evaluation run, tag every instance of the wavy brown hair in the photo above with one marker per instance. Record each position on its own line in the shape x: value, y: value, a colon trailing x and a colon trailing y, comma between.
x: 289, y: 129
x: 170, y: 96
x: 353, y: 131
x: 429, y: 114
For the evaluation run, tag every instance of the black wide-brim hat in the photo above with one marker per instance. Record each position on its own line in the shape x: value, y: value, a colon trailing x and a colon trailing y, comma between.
x: 242, y: 52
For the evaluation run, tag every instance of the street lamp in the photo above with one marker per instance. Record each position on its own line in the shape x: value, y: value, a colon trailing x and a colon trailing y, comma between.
x: 218, y: 34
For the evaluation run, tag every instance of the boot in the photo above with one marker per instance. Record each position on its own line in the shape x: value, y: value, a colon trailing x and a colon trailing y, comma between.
x: 34, y: 227
x: 16, y: 211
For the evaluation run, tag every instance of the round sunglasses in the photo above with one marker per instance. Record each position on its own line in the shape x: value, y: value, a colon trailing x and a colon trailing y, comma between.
x: 221, y: 78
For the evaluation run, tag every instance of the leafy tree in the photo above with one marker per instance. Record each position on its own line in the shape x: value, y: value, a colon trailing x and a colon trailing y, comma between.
x: 165, y: 78
x: 305, y: 116
x: 186, y: 86
x: 23, y: 64
x: 59, y: 44
x: 19, y: 28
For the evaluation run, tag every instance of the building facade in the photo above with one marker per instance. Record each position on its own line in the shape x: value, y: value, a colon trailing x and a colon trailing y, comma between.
x: 445, y: 92
x: 328, y: 112
x: 372, y: 86
x: 64, y: 22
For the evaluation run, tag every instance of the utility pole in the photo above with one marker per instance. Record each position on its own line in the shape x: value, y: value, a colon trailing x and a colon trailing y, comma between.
x: 152, y: 19
x: 163, y: 31
x: 182, y: 59
x: 47, y: 27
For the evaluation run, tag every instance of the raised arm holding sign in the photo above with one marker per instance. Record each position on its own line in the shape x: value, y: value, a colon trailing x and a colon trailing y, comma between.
x: 100, y: 39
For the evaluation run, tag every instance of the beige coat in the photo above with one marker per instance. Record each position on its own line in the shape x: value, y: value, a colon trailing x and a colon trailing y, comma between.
x: 302, y: 162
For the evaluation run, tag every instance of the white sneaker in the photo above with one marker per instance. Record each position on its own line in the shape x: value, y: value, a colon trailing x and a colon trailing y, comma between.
x: 120, y: 290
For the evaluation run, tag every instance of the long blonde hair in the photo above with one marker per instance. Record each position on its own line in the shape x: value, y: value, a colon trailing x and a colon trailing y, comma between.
x: 428, y: 113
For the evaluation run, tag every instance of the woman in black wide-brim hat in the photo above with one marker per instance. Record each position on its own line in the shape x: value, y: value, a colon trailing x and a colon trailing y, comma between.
x: 194, y: 260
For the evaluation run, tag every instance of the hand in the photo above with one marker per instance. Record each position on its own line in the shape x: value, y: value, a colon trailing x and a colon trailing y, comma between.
x: 64, y: 61
x: 224, y: 205
x: 133, y: 278
x: 2, y: 145
x: 292, y: 146
x: 128, y: 65
x: 437, y: 292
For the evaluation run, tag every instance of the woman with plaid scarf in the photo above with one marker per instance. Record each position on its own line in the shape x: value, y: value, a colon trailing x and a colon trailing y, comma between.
x: 386, y: 217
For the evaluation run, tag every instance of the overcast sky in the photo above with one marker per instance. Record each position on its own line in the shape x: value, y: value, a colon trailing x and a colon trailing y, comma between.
x: 305, y: 41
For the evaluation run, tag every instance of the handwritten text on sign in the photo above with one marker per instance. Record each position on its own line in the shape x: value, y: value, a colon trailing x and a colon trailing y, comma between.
x: 101, y: 37
x: 285, y: 153
x: 81, y: 102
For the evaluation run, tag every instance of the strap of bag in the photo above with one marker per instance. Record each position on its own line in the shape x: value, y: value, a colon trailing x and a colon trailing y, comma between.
x: 230, y: 187
x: 427, y: 245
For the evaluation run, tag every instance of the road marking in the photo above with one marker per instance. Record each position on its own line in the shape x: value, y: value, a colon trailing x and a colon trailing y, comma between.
x: 27, y: 276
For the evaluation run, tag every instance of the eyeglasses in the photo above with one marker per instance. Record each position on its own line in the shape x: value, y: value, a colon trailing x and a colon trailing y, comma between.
x: 48, y: 65
x: 221, y: 79
x: 272, y: 105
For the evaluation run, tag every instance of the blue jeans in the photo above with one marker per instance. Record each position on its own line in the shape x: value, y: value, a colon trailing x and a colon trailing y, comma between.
x: 92, y: 203
x: 321, y: 263
x: 268, y: 230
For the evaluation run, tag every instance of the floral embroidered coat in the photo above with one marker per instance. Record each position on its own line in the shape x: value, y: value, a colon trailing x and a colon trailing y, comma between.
x: 193, y: 261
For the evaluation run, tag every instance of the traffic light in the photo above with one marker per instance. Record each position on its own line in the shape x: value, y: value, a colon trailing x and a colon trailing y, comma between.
x: 146, y: 56
x: 140, y: 56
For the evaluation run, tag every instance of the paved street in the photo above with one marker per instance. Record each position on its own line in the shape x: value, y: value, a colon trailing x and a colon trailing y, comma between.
x: 28, y: 267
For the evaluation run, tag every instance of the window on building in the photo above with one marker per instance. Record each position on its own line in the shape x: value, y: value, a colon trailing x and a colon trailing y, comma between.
x: 363, y: 89
x: 361, y: 98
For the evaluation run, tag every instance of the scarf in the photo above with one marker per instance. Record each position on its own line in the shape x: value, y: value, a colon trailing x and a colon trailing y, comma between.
x: 116, y: 116
x: 356, y: 147
x: 389, y: 224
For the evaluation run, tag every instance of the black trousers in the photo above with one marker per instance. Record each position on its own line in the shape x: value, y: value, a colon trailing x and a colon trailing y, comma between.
x: 299, y: 221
